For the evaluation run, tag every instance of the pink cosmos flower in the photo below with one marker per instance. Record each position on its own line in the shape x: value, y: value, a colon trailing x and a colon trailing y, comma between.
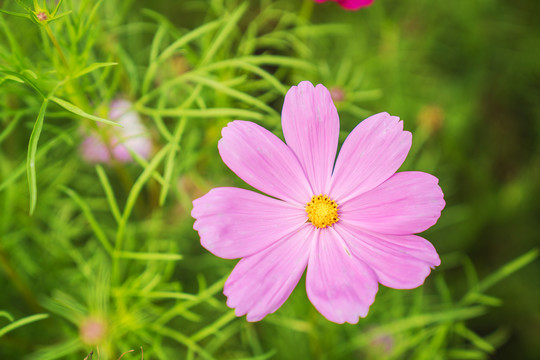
x: 351, y: 4
x: 350, y: 222
x: 132, y: 135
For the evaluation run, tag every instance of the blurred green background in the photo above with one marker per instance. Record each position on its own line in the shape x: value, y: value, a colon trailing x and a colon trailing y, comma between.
x: 464, y: 76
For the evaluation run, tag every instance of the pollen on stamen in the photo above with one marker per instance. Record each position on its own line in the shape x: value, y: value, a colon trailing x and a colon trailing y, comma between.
x: 322, y: 211
x: 42, y: 16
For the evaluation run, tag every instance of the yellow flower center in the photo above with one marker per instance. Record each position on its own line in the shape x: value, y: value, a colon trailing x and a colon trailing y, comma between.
x: 322, y: 211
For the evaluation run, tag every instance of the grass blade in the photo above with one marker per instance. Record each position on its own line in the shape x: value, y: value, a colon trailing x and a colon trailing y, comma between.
x: 98, y: 231
x: 109, y: 193
x: 224, y: 34
x: 78, y: 111
x: 57, y: 7
x: 182, y: 339
x: 149, y: 256
x: 31, y: 156
x: 169, y: 164
x: 15, y: 14
x: 25, y: 80
x: 21, y: 322
x: 6, y: 315
x: 171, y: 49
x: 204, y: 113
x: 505, y: 271
x: 93, y: 67
x: 220, y: 87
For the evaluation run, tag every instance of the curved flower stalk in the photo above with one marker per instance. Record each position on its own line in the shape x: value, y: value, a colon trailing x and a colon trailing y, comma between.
x: 350, y: 221
x: 351, y: 4
x: 116, y: 143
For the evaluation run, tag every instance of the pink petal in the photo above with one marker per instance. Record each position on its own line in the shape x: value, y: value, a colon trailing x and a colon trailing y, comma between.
x: 94, y: 151
x: 339, y: 285
x: 372, y: 152
x: 407, y: 203
x: 260, y: 284
x: 121, y: 153
x: 263, y: 161
x: 311, y: 128
x: 400, y: 262
x: 234, y: 223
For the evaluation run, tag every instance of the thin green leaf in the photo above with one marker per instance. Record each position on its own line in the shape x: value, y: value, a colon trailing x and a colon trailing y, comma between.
x: 474, y: 338
x: 33, y: 74
x: 227, y: 64
x: 443, y: 289
x: 98, y: 231
x: 93, y: 67
x: 169, y: 164
x: 25, y: 79
x: 224, y: 34
x: 171, y: 49
x: 413, y: 322
x: 78, y: 111
x: 166, y: 295
x: 203, y: 295
x: 31, y: 156
x: 25, y: 7
x: 507, y: 270
x: 182, y: 339
x: 16, y: 52
x: 465, y: 354
x: 484, y: 299
x: 134, y: 193
x: 61, y: 350
x: 21, y: 322
x: 84, y: 26
x: 143, y: 178
x: 15, y: 14
x: 57, y: 7
x: 219, y: 86
x: 503, y: 272
x: 156, y: 43
x: 149, y: 256
x: 270, y: 354
x: 109, y: 193
x: 60, y: 16
x: 204, y: 113
x: 214, y: 327
x: 13, y: 78
x: 6, y: 315
x: 291, y: 323
x: 279, y: 60
x: 21, y: 169
x: 144, y: 163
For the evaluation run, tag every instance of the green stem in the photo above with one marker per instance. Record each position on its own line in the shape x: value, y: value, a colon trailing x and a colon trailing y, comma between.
x: 57, y: 46
x: 306, y: 10
x: 21, y: 286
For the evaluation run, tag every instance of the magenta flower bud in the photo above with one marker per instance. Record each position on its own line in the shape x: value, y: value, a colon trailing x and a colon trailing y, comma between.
x: 351, y: 4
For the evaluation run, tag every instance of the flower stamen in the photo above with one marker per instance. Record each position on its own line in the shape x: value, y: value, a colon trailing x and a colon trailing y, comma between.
x: 322, y: 211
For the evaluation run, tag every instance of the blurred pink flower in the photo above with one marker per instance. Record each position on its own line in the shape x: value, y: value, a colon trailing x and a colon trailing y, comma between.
x: 350, y: 221
x: 133, y: 136
x: 93, y: 330
x: 351, y: 4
